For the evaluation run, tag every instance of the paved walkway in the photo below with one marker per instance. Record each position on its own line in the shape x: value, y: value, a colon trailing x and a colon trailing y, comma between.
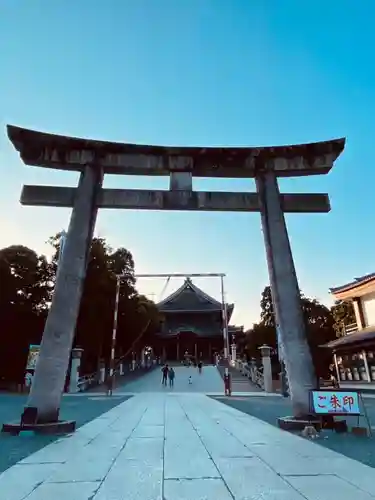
x: 184, y: 447
x: 209, y: 381
x: 83, y: 409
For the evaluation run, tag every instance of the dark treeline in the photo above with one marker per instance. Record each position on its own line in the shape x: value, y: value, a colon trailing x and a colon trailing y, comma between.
x: 323, y: 324
x: 26, y: 287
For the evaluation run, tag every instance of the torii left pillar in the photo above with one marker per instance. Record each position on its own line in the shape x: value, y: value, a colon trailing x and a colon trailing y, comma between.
x: 43, y: 405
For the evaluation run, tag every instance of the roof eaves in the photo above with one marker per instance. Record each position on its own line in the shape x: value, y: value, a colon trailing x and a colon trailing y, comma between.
x: 353, y: 284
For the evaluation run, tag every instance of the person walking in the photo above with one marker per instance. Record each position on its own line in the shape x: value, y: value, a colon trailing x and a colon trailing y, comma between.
x: 200, y: 367
x: 109, y: 384
x: 165, y: 371
x: 171, y: 375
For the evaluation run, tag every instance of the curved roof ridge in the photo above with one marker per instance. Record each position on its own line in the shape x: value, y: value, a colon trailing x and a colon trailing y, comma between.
x: 189, y: 284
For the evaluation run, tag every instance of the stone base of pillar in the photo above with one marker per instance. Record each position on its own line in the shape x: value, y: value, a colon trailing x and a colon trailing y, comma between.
x: 294, y: 424
x: 52, y: 428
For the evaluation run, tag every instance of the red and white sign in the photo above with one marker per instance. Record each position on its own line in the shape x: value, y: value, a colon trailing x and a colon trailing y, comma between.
x: 335, y: 402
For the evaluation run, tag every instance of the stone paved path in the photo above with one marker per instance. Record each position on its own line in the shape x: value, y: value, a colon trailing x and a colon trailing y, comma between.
x: 82, y: 410
x: 356, y: 447
x: 209, y: 381
x: 184, y: 447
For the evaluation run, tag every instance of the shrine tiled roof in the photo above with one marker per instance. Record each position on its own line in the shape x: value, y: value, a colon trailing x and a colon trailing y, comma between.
x: 360, y: 338
x: 357, y: 285
x: 190, y: 298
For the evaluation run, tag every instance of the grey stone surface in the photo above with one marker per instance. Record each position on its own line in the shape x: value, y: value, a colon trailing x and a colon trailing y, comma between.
x: 55, y: 348
x: 70, y: 491
x: 132, y: 480
x: 149, y: 450
x: 149, y: 431
x: 180, y: 464
x: 209, y: 381
x: 253, y: 479
x: 351, y: 446
x: 83, y: 469
x: 286, y: 295
x: 20, y: 480
x: 57, y: 196
x: 327, y: 487
x: 210, y: 451
x: 71, y: 153
x: 197, y: 489
x: 81, y: 408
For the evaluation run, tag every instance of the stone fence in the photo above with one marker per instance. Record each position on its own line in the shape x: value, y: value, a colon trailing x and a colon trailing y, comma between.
x: 262, y: 377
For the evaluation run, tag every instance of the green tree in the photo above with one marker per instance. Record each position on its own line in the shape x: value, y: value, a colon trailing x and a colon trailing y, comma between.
x: 319, y: 325
x: 136, y: 314
x: 25, y: 292
x: 259, y: 335
x: 320, y: 330
x: 139, y: 321
x: 267, y: 314
x: 241, y: 342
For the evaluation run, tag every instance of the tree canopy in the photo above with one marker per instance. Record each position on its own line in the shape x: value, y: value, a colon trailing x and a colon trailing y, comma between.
x: 27, y: 282
x: 343, y: 315
x: 322, y: 325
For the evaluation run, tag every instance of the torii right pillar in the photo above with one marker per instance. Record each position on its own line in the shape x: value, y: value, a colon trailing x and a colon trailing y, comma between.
x: 286, y: 297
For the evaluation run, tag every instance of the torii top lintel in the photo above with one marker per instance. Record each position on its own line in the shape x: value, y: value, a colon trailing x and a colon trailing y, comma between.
x: 70, y: 153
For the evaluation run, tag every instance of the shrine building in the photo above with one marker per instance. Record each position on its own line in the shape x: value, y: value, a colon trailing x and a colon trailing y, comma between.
x: 354, y: 351
x: 192, y: 325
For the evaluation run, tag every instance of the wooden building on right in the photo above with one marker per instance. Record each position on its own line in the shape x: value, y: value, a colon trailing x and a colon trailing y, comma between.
x: 354, y: 352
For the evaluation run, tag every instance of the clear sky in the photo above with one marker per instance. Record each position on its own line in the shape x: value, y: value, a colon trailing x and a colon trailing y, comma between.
x: 199, y: 72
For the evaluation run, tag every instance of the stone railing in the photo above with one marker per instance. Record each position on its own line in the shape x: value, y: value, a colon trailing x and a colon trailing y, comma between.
x: 352, y: 328
x: 250, y: 370
x: 259, y: 378
x: 85, y: 382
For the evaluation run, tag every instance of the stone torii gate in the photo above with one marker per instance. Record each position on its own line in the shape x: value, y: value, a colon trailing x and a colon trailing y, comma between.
x: 93, y: 159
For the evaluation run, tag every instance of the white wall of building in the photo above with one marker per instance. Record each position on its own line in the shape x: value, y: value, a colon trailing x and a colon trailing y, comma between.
x: 368, y: 306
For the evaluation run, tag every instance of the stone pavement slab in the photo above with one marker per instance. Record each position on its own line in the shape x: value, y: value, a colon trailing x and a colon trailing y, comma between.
x: 184, y: 446
x: 82, y: 409
x: 352, y: 446
x: 209, y: 381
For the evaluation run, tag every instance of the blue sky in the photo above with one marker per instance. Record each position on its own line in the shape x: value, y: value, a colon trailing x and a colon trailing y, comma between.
x: 199, y: 72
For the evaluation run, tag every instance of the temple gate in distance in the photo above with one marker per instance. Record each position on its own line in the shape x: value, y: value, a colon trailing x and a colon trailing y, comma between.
x: 93, y: 159
x: 193, y: 325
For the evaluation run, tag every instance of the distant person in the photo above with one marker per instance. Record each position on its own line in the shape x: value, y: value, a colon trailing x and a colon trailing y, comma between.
x: 332, y: 376
x: 28, y: 380
x: 171, y: 375
x: 165, y: 371
x: 109, y: 384
x: 200, y: 367
x: 190, y: 380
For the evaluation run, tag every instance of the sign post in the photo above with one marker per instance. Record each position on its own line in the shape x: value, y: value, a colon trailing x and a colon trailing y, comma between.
x: 32, y: 357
